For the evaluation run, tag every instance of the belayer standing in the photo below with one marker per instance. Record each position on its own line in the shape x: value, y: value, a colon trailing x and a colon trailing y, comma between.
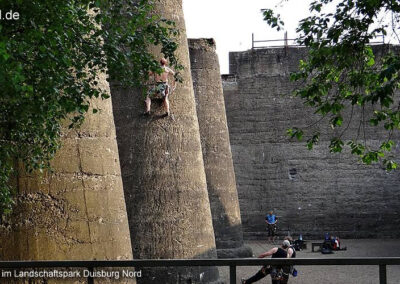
x: 161, y: 89
x: 271, y: 221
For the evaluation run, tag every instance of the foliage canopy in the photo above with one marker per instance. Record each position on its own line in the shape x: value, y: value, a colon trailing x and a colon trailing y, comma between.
x: 49, y: 59
x: 343, y: 73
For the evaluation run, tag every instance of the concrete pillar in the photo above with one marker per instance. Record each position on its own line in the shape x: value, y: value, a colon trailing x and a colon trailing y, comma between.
x: 218, y: 164
x: 163, y: 174
x: 76, y: 212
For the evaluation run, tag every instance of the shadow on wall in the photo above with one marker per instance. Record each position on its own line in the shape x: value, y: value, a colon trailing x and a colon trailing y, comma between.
x: 229, y: 240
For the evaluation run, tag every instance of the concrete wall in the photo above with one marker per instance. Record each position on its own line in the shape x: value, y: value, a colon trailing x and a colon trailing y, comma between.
x: 311, y: 192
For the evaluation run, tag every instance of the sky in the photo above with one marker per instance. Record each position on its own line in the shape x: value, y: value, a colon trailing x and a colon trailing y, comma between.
x: 232, y: 22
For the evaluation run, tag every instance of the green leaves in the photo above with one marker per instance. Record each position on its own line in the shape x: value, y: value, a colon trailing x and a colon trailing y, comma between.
x: 387, y: 146
x: 390, y: 165
x: 312, y: 141
x: 130, y: 30
x: 49, y: 67
x: 356, y: 148
x: 272, y: 20
x: 295, y: 132
x: 336, y: 145
x: 336, y: 121
x: 344, y: 78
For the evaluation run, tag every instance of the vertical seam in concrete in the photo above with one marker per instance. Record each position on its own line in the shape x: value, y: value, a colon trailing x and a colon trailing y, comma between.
x: 84, y: 194
x: 27, y: 242
x: 18, y: 177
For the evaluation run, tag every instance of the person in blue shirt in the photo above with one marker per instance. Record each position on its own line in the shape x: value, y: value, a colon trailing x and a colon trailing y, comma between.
x: 271, y: 221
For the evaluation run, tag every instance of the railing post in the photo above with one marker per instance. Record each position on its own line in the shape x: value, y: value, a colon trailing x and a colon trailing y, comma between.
x: 382, y: 274
x: 90, y: 278
x: 232, y: 274
x: 285, y: 39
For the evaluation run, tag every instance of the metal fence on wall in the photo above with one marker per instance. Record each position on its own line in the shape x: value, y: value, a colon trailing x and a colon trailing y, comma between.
x: 285, y: 42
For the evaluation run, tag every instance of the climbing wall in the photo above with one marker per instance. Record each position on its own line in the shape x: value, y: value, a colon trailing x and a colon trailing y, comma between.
x: 163, y: 173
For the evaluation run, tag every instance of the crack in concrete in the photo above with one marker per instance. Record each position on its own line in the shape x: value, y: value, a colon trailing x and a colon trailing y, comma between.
x: 84, y: 194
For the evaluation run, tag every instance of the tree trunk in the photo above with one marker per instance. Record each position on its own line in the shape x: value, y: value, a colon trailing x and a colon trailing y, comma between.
x: 218, y: 164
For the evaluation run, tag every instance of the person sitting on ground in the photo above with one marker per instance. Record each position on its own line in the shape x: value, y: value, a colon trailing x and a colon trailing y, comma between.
x: 161, y: 88
x: 271, y: 221
x: 327, y: 245
x: 336, y: 243
x: 276, y: 271
x: 299, y: 244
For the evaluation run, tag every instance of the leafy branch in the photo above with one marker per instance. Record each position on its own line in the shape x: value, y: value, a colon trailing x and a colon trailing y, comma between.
x: 343, y: 72
x: 50, y: 60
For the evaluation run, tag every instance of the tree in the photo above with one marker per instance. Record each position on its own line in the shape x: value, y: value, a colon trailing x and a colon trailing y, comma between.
x: 49, y: 59
x: 343, y: 73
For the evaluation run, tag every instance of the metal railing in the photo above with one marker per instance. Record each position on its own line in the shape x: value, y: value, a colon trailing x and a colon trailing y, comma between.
x: 382, y: 262
x: 285, y: 42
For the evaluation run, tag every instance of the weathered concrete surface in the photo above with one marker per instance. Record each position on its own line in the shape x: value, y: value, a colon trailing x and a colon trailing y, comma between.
x: 333, y: 274
x: 311, y: 191
x: 217, y: 156
x: 76, y: 212
x: 163, y: 174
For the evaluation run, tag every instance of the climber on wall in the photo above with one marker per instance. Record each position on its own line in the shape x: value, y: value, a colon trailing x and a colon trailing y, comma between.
x: 160, y: 89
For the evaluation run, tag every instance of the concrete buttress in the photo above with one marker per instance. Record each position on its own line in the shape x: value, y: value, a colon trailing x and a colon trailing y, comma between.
x: 218, y: 164
x: 77, y: 211
x: 163, y: 174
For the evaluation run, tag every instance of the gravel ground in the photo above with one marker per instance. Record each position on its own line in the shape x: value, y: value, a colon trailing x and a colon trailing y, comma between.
x: 332, y: 274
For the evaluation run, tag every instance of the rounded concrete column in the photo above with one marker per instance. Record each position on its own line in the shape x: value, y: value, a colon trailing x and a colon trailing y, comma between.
x: 163, y: 174
x: 76, y: 212
x: 218, y: 164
